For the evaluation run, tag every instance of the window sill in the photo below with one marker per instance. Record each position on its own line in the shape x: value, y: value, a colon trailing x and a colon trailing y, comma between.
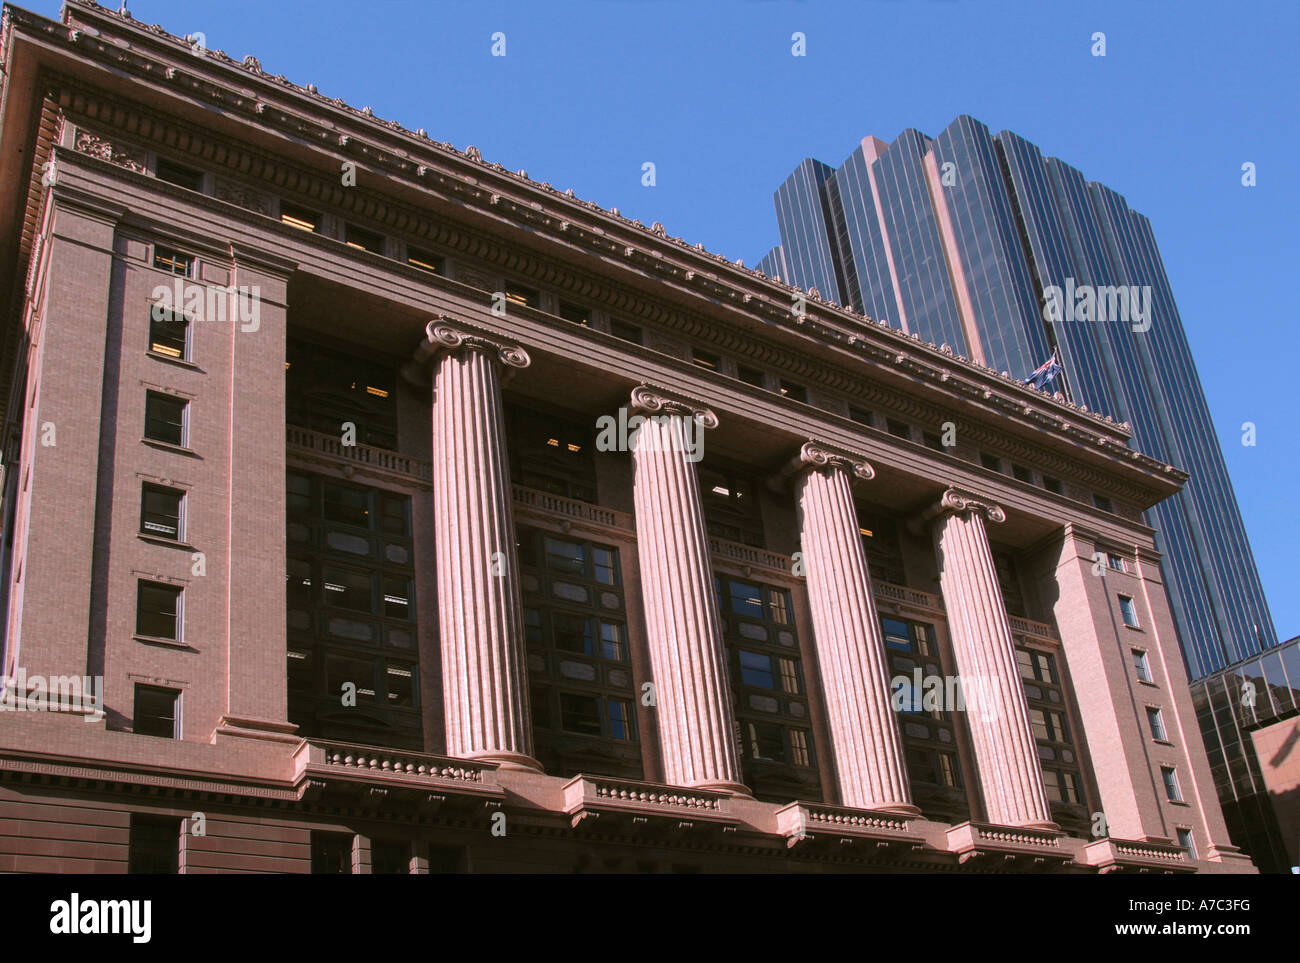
x: 1148, y: 682
x: 169, y: 643
x: 168, y: 446
x: 1179, y: 802
x: 181, y: 362
x: 1163, y: 742
x: 1134, y: 628
x: 165, y: 542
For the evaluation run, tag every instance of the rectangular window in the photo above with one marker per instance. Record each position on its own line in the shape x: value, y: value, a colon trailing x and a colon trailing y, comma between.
x: 390, y: 857
x: 1141, y: 665
x: 613, y: 641
x: 580, y: 714
x: 518, y: 294
x: 169, y: 333
x: 706, y: 359
x: 302, y: 218
x: 899, y: 429
x: 173, y: 261
x: 991, y: 462
x: 165, y: 419
x: 932, y: 440
x: 331, y: 853
x: 157, y: 712
x: 158, y: 611
x: 626, y: 332
x: 1186, y: 841
x: 162, y: 512
x: 1102, y: 502
x: 795, y: 392
x: 861, y: 415
x: 751, y: 376
x: 445, y: 859
x: 1022, y: 473
x: 1116, y: 562
x: 154, y: 845
x: 756, y: 669
x: 1157, y: 723
x: 424, y: 260
x: 620, y: 719
x: 1053, y: 485
x: 359, y: 237
x: 1172, y: 790
x: 799, y: 747
x: 1128, y: 611
x: 181, y: 176
x: 575, y: 314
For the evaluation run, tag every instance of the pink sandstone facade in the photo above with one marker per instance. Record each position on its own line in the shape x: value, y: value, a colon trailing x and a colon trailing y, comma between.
x: 559, y: 657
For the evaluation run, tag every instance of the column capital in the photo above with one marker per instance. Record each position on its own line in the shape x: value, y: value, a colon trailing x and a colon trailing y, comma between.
x: 662, y: 401
x: 445, y: 333
x: 817, y: 454
x: 960, y: 501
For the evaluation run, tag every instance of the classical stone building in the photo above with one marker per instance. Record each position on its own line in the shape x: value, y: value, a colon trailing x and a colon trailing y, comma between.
x: 324, y: 455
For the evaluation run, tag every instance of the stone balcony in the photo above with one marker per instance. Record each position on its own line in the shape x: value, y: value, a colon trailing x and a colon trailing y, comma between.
x: 860, y: 833
x: 364, y: 459
x: 990, y: 847
x: 602, y: 804
x: 1132, y: 856
x: 375, y: 778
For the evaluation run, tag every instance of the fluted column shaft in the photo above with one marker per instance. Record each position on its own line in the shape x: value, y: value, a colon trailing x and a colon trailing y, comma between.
x: 850, y: 646
x: 683, y: 626
x: 997, y: 713
x: 480, y: 615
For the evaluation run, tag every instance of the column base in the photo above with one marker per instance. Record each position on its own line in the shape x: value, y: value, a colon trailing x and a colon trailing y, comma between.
x: 510, y: 761
x: 732, y: 788
x: 906, y: 810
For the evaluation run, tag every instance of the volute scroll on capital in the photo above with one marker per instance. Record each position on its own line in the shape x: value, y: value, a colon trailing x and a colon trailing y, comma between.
x: 449, y: 334
x: 819, y: 454
x: 660, y: 401
x: 962, y: 501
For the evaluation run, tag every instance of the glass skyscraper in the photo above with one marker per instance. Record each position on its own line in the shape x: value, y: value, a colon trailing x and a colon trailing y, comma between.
x: 960, y: 238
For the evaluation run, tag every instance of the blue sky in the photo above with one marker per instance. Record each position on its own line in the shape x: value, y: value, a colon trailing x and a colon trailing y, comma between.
x: 588, y: 91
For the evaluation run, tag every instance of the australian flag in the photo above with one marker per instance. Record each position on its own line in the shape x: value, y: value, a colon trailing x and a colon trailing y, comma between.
x: 1044, y: 374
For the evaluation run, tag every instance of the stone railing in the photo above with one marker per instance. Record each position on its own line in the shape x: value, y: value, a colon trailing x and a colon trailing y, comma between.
x: 374, y: 459
x: 908, y: 596
x: 539, y: 501
x: 748, y: 555
x: 1018, y: 836
x: 1039, y: 630
x: 324, y: 757
x: 598, y: 789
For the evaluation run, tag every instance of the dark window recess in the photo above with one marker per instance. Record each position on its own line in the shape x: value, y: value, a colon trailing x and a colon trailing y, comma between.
x: 325, y: 389
x: 390, y: 857
x: 1102, y: 502
x: 706, y: 359
x: 899, y: 429
x: 331, y: 853
x: 793, y: 391
x: 169, y: 333
x: 155, y: 711
x: 518, y: 294
x: 1053, y: 485
x: 169, y: 259
x: 578, y: 315
x: 425, y: 260
x: 446, y: 859
x: 751, y: 376
x: 768, y: 690
x: 160, y: 511
x: 551, y: 453
x: 1009, y: 582
x: 359, y: 237
x: 350, y: 594
x: 731, y: 507
x: 158, y: 610
x: 1022, y: 473
x: 627, y: 332
x: 302, y: 218
x: 154, y: 845
x: 861, y: 415
x: 181, y: 176
x: 932, y: 440
x: 880, y: 540
x: 164, y: 418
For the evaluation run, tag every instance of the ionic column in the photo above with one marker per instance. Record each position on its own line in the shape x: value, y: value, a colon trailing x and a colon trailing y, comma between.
x: 997, y: 714
x: 684, y: 628
x: 480, y: 615
x: 850, y: 646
